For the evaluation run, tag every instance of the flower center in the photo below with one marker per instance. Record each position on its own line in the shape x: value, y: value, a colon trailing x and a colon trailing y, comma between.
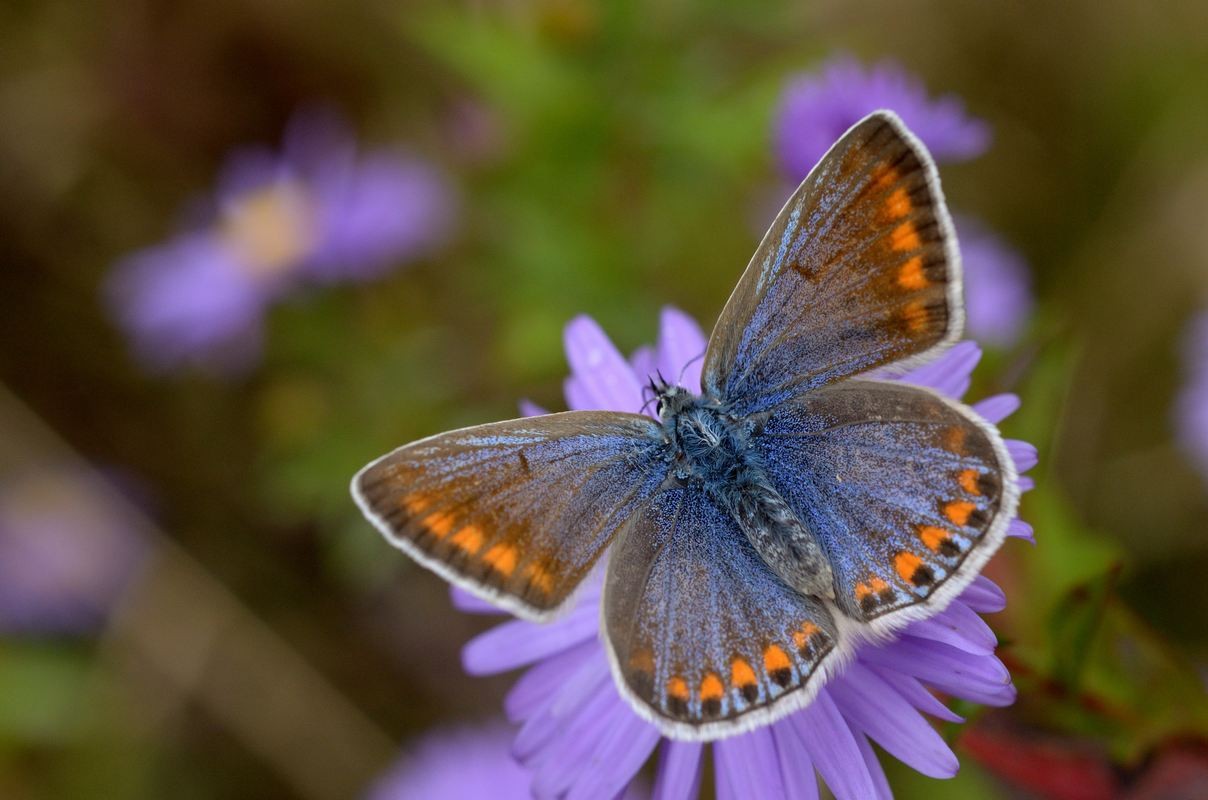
x: 271, y: 228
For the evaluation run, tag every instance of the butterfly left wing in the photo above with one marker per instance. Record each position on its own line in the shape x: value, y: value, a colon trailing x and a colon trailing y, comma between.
x: 517, y: 512
x: 859, y: 270
x: 704, y: 640
x: 909, y: 493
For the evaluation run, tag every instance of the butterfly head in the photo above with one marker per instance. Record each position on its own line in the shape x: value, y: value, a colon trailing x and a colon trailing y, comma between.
x: 670, y: 399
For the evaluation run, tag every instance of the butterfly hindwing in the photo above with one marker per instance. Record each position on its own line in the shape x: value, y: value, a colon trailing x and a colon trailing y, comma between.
x: 704, y: 639
x: 516, y: 511
x: 908, y: 492
x: 859, y: 270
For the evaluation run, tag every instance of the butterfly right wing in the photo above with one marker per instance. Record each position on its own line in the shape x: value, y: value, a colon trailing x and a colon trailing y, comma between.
x: 517, y: 512
x: 703, y: 638
x: 859, y: 270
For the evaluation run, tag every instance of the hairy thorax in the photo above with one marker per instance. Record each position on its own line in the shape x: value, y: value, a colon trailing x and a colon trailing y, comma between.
x: 710, y: 447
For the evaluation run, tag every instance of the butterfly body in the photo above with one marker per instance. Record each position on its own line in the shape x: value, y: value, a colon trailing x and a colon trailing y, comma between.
x: 758, y: 531
x: 711, y: 447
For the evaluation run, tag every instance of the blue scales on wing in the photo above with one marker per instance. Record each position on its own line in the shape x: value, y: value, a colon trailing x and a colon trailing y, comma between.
x: 701, y: 632
x: 859, y: 270
x: 909, y: 493
x: 516, y: 511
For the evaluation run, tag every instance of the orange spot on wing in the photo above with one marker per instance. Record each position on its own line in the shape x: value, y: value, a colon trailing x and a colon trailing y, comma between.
x: 968, y: 480
x: 469, y: 538
x: 915, y: 316
x: 958, y: 511
x: 910, y: 275
x: 933, y: 537
x: 677, y: 687
x: 874, y: 586
x: 414, y: 504
x: 954, y: 439
x: 642, y: 660
x: 905, y: 237
x: 711, y: 688
x: 438, y: 524
x: 502, y: 558
x: 774, y: 658
x: 906, y: 563
x: 882, y: 178
x: 540, y: 577
x: 803, y: 634
x: 896, y: 206
x: 741, y: 673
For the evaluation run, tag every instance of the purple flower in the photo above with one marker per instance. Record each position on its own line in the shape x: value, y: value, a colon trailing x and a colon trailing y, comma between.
x: 315, y: 213
x: 1191, y: 408
x: 817, y: 108
x: 459, y: 762
x: 66, y: 552
x: 998, y: 285
x: 581, y: 739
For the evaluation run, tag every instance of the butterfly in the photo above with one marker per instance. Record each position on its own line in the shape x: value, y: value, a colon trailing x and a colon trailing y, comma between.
x: 758, y: 531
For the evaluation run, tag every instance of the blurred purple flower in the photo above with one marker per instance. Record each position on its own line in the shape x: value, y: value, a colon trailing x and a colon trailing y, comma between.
x: 998, y: 285
x: 66, y: 552
x: 315, y: 213
x: 459, y: 762
x: 1191, y: 408
x: 581, y: 739
x: 816, y: 108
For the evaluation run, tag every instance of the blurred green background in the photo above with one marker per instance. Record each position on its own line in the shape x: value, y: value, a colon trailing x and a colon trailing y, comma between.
x: 610, y: 159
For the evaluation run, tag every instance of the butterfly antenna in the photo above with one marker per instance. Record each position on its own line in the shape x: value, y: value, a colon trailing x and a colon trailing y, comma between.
x: 691, y: 361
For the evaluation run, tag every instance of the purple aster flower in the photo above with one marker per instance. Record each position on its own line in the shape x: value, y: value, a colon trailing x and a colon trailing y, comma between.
x: 66, y: 552
x: 315, y: 213
x: 578, y: 736
x: 1191, y: 408
x: 817, y: 108
x: 998, y: 285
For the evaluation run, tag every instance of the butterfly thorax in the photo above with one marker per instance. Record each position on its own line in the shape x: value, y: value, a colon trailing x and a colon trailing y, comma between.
x: 711, y: 446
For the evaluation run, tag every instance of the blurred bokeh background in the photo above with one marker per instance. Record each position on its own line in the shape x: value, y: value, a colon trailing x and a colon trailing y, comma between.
x: 191, y: 606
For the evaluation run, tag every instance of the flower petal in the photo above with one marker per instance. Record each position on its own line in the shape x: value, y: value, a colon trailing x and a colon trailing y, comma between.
x: 1024, y: 455
x: 833, y: 749
x: 976, y: 678
x: 678, y: 776
x: 997, y: 408
x: 746, y: 766
x: 878, y: 710
x: 530, y: 409
x: 983, y: 596
x: 604, y: 376
x: 875, y: 770
x: 532, y: 691
x: 796, y: 768
x: 958, y: 626
x: 951, y: 373
x: 471, y: 603
x: 915, y: 693
x: 617, y: 758
x: 514, y: 644
x: 681, y: 345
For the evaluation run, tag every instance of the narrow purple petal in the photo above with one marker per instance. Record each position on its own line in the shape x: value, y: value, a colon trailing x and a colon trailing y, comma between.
x: 951, y: 373
x: 983, y: 596
x: 878, y: 710
x: 915, y: 693
x: 1025, y: 484
x: 796, y: 768
x: 618, y: 757
x: 747, y: 766
x: 603, y: 373
x: 514, y: 644
x: 998, y: 407
x: 678, y: 776
x: 952, y: 671
x: 875, y: 770
x: 1021, y: 530
x: 681, y: 347
x: 832, y: 747
x: 471, y: 603
x: 531, y: 691
x: 1024, y: 454
x: 542, y: 733
x: 958, y: 626
x: 570, y: 754
x: 644, y: 362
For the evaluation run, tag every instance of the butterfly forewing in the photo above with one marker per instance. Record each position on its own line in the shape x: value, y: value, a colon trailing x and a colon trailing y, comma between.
x: 908, y: 492
x: 516, y: 511
x: 704, y: 639
x: 858, y: 271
